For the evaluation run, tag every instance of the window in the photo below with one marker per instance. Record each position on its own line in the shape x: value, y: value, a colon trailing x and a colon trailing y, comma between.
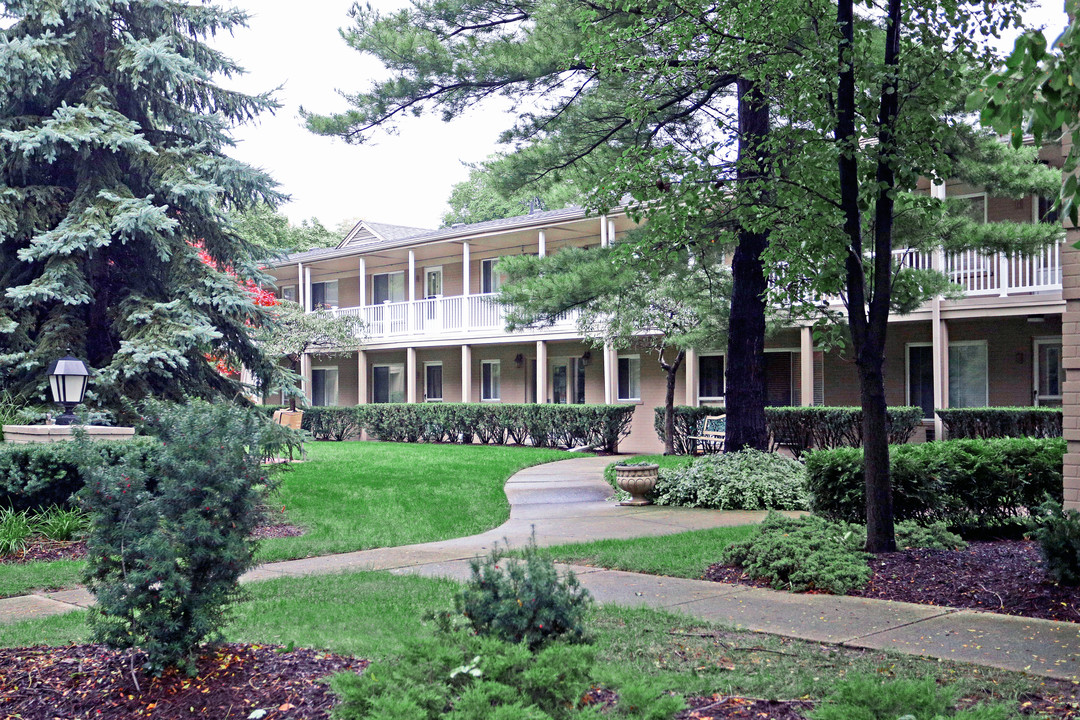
x: 1049, y: 372
x: 976, y: 206
x: 433, y: 382
x: 630, y: 377
x: 288, y: 292
x: 324, y: 295
x: 388, y: 383
x: 920, y: 378
x: 387, y: 287
x: 489, y: 278
x: 967, y: 374
x: 1046, y: 212
x: 324, y: 387
x: 710, y: 377
x: 433, y: 282
x: 490, y: 380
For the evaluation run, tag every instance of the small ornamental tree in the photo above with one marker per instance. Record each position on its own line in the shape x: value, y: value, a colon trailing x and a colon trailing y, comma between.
x: 170, y: 532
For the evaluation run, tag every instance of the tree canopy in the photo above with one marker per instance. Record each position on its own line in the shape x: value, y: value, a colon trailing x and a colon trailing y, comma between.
x: 486, y: 195
x: 114, y: 177
x: 264, y: 226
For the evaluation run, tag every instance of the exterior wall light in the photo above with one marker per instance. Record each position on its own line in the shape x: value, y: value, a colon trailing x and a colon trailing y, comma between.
x: 67, y: 379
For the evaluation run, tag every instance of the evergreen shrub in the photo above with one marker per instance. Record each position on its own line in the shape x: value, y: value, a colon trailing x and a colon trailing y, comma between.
x: 744, y: 480
x: 331, y: 423
x: 170, y: 531
x: 1058, y: 533
x: 869, y: 698
x: 996, y: 422
x: 523, y: 600
x: 462, y: 676
x: 38, y: 476
x: 800, y: 554
x: 966, y: 484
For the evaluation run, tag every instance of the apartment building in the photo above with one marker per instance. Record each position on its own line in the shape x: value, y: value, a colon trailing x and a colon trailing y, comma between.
x: 435, y: 335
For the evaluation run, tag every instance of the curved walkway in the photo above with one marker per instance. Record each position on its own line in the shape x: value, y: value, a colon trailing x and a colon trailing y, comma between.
x: 567, y: 501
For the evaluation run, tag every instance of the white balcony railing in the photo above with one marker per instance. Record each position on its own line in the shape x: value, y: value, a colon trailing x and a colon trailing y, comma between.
x: 435, y: 317
x: 998, y: 274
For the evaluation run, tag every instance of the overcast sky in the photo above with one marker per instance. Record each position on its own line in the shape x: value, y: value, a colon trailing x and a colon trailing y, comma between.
x: 402, y: 179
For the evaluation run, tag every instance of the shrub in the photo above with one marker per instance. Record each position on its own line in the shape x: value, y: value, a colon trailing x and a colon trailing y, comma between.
x: 1058, y: 534
x: 745, y: 480
x: 597, y: 426
x: 936, y: 536
x: 15, y: 530
x: 467, y: 677
x: 37, y: 476
x: 802, y: 428
x: 799, y: 554
x: 967, y: 484
x: 995, y: 422
x: 330, y: 423
x: 169, y: 537
x: 524, y: 600
x: 687, y: 421
x: 867, y: 698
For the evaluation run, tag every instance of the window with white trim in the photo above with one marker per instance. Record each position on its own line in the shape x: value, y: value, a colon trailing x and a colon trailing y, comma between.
x: 324, y: 386
x: 388, y: 383
x: 324, y: 295
x: 490, y: 380
x: 968, y: 377
x: 387, y: 287
x: 433, y: 381
x: 710, y: 377
x: 288, y: 292
x: 489, y: 276
x: 629, y: 377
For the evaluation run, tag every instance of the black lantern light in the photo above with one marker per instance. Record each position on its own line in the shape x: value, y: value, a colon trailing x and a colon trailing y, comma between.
x: 67, y: 378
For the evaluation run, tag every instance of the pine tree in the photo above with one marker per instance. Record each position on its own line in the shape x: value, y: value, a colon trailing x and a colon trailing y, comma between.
x: 114, y: 175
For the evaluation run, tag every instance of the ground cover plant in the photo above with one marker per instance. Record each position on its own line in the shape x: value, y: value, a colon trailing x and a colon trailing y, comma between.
x: 745, y: 480
x: 374, y: 616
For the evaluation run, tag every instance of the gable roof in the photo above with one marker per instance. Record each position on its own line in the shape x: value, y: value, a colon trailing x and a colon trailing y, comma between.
x: 371, y: 234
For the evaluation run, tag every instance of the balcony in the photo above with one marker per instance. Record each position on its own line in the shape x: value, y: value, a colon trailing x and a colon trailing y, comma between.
x: 439, y: 318
x: 992, y: 274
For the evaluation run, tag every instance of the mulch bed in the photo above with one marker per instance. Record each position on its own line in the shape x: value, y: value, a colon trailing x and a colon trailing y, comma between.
x: 1001, y: 576
x: 234, y: 680
x: 42, y: 550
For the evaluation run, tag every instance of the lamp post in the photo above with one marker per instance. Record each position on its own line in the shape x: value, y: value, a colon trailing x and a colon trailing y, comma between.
x: 67, y: 378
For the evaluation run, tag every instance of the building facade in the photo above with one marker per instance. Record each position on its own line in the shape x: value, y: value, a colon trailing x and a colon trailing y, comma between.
x: 434, y: 333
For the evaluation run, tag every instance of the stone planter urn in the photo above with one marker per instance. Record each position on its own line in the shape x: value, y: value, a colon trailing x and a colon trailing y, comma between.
x: 638, y: 480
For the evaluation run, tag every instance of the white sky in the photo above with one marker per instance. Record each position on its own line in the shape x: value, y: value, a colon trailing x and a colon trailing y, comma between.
x: 401, y: 179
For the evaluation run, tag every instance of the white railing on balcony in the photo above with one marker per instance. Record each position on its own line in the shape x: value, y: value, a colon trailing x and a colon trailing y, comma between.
x: 999, y: 274
x: 433, y: 317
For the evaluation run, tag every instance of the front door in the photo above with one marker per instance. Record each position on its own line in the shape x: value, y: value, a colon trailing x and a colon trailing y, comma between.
x: 1048, y: 372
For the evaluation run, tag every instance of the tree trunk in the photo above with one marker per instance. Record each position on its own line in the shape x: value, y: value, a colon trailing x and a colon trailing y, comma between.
x: 672, y: 370
x: 880, y: 534
x: 745, y: 392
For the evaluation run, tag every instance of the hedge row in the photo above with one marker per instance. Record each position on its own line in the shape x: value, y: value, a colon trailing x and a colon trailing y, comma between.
x: 968, y: 484
x: 999, y: 422
x: 797, y: 428
x: 567, y: 426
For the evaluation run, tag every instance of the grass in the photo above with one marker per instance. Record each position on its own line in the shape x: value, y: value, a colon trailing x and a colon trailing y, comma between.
x: 373, y: 614
x: 354, y: 496
x: 684, y: 555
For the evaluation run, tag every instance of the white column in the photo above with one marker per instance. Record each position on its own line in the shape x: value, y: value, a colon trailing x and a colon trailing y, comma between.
x: 603, y: 231
x: 691, y: 374
x: 363, y: 283
x: 940, y: 355
x: 541, y: 371
x: 610, y: 232
x: 806, y: 366
x: 466, y: 373
x: 361, y: 378
x: 300, y: 284
x: 466, y: 286
x: 609, y: 374
x: 307, y: 289
x: 543, y: 244
x: 410, y: 375
x: 305, y: 376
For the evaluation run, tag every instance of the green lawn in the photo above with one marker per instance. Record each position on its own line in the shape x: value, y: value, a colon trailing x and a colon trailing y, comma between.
x: 681, y: 555
x: 372, y: 614
x: 353, y: 496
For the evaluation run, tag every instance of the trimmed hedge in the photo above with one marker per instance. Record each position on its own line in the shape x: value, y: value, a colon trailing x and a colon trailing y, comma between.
x: 798, y: 429
x: 565, y: 426
x: 967, y: 484
x: 1000, y: 422
x: 36, y: 476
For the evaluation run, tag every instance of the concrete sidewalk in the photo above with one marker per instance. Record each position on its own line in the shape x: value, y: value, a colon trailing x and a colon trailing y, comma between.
x: 567, y: 502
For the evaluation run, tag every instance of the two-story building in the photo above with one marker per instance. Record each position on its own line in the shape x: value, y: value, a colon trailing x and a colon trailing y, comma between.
x: 435, y: 335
